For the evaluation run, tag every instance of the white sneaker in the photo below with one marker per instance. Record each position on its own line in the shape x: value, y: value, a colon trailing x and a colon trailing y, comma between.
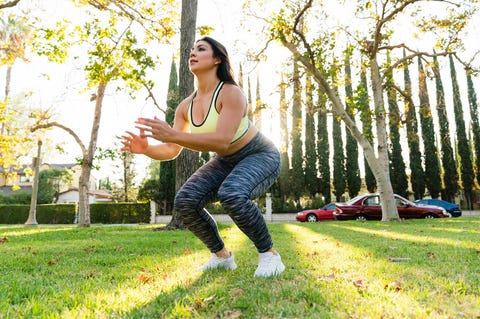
x: 269, y: 264
x: 219, y: 262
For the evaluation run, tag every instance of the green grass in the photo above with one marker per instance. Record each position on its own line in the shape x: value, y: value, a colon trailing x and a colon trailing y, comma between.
x: 334, y: 270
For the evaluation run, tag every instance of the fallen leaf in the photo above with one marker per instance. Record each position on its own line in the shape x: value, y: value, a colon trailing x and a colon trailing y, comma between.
x: 144, y: 279
x: 119, y: 248
x: 4, y: 240
x: 432, y: 255
x: 187, y: 252
x: 232, y: 314
x: 89, y: 249
x: 361, y: 287
x: 238, y: 292
x: 338, y: 244
x: 327, y: 278
x: 174, y: 242
x: 393, y: 286
x: 315, y: 253
x: 52, y: 262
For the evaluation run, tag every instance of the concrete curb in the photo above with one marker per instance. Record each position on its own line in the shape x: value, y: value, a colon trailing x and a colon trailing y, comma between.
x: 280, y: 218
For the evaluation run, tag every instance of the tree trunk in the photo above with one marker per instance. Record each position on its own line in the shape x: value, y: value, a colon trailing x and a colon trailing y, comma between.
x: 32, y: 214
x: 381, y: 166
x: 187, y: 161
x: 87, y: 161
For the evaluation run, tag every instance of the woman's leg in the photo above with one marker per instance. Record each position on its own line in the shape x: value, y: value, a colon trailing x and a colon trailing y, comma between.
x: 249, y: 179
x: 192, y: 197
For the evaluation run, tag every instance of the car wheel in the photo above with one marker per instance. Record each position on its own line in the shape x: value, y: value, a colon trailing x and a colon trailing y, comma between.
x: 311, y: 218
x: 361, y: 218
x: 429, y: 216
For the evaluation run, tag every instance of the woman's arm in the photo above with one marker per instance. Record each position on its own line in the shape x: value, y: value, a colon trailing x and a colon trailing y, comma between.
x: 232, y: 103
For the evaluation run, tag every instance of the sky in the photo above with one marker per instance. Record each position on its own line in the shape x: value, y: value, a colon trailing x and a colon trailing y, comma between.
x: 56, y: 87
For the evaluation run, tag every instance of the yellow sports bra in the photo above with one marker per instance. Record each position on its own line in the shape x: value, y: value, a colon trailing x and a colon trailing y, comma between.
x: 209, y: 124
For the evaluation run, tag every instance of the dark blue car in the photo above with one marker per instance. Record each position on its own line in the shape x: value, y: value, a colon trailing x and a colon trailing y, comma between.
x: 453, y: 209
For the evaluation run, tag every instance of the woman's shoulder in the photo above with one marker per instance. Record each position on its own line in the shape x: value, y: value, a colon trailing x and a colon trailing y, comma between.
x: 231, y: 90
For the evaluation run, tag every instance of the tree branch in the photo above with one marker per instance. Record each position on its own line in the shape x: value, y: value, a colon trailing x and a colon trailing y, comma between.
x: 63, y: 127
x: 9, y: 4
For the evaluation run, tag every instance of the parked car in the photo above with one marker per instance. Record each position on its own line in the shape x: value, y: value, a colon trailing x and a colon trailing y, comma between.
x: 366, y: 207
x: 453, y: 209
x: 315, y: 215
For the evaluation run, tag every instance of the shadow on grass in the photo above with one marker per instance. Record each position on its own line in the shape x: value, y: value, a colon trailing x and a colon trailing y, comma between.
x: 235, y: 294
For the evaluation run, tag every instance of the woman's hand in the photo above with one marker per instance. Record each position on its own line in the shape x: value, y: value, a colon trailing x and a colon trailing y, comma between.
x: 134, y: 143
x: 155, y: 128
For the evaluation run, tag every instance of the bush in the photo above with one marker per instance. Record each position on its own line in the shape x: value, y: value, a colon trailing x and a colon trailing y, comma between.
x: 45, y: 214
x: 119, y: 213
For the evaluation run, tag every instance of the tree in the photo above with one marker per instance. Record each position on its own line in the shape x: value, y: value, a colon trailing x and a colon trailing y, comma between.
x: 296, y: 173
x: 310, y: 152
x: 112, y: 56
x: 49, y: 184
x: 372, y: 39
x: 417, y: 176
x: 167, y: 169
x: 474, y: 120
x: 188, y: 160
x: 433, y: 181
x: 354, y: 181
x: 449, y: 165
x: 284, y: 144
x: 398, y: 173
x: 323, y: 148
x: 366, y: 117
x: 15, y: 142
x: 463, y: 145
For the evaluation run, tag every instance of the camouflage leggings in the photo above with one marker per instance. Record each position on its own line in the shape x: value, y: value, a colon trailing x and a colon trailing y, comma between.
x: 234, y: 180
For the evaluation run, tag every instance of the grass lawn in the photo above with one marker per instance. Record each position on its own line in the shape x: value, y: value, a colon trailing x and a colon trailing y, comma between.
x: 349, y: 269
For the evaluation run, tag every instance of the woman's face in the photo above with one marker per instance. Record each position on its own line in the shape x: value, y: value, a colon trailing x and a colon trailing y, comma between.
x: 201, y: 57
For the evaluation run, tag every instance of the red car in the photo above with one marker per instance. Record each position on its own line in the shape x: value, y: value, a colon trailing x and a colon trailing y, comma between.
x: 314, y: 215
x: 365, y: 207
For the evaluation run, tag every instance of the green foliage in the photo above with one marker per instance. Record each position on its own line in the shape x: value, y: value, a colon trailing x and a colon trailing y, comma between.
x: 433, y: 180
x: 311, y: 182
x: 463, y: 145
x: 45, y: 214
x: 120, y: 213
x: 417, y: 176
x: 449, y: 165
x: 354, y: 181
x: 19, y: 197
x: 475, y: 123
x: 323, y: 149
x: 49, y: 182
x: 398, y: 174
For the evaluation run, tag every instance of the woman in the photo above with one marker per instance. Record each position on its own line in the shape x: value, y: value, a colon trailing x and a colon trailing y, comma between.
x: 214, y: 119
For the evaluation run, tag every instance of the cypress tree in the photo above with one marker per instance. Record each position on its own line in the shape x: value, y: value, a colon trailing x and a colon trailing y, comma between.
x: 323, y: 148
x: 433, y: 180
x: 366, y: 116
x: 472, y: 101
x: 285, y: 170
x: 449, y: 165
x: 339, y: 174
x: 168, y: 168
x: 463, y: 145
x: 310, y: 154
x: 416, y: 171
x: 398, y: 175
x: 297, y: 176
x: 354, y: 181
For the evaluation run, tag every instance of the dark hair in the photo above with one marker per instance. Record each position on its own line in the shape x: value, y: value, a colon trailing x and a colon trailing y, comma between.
x: 224, y: 71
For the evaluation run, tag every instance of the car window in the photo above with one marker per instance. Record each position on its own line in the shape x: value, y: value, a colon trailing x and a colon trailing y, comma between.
x: 400, y: 202
x: 372, y: 201
x: 330, y: 206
